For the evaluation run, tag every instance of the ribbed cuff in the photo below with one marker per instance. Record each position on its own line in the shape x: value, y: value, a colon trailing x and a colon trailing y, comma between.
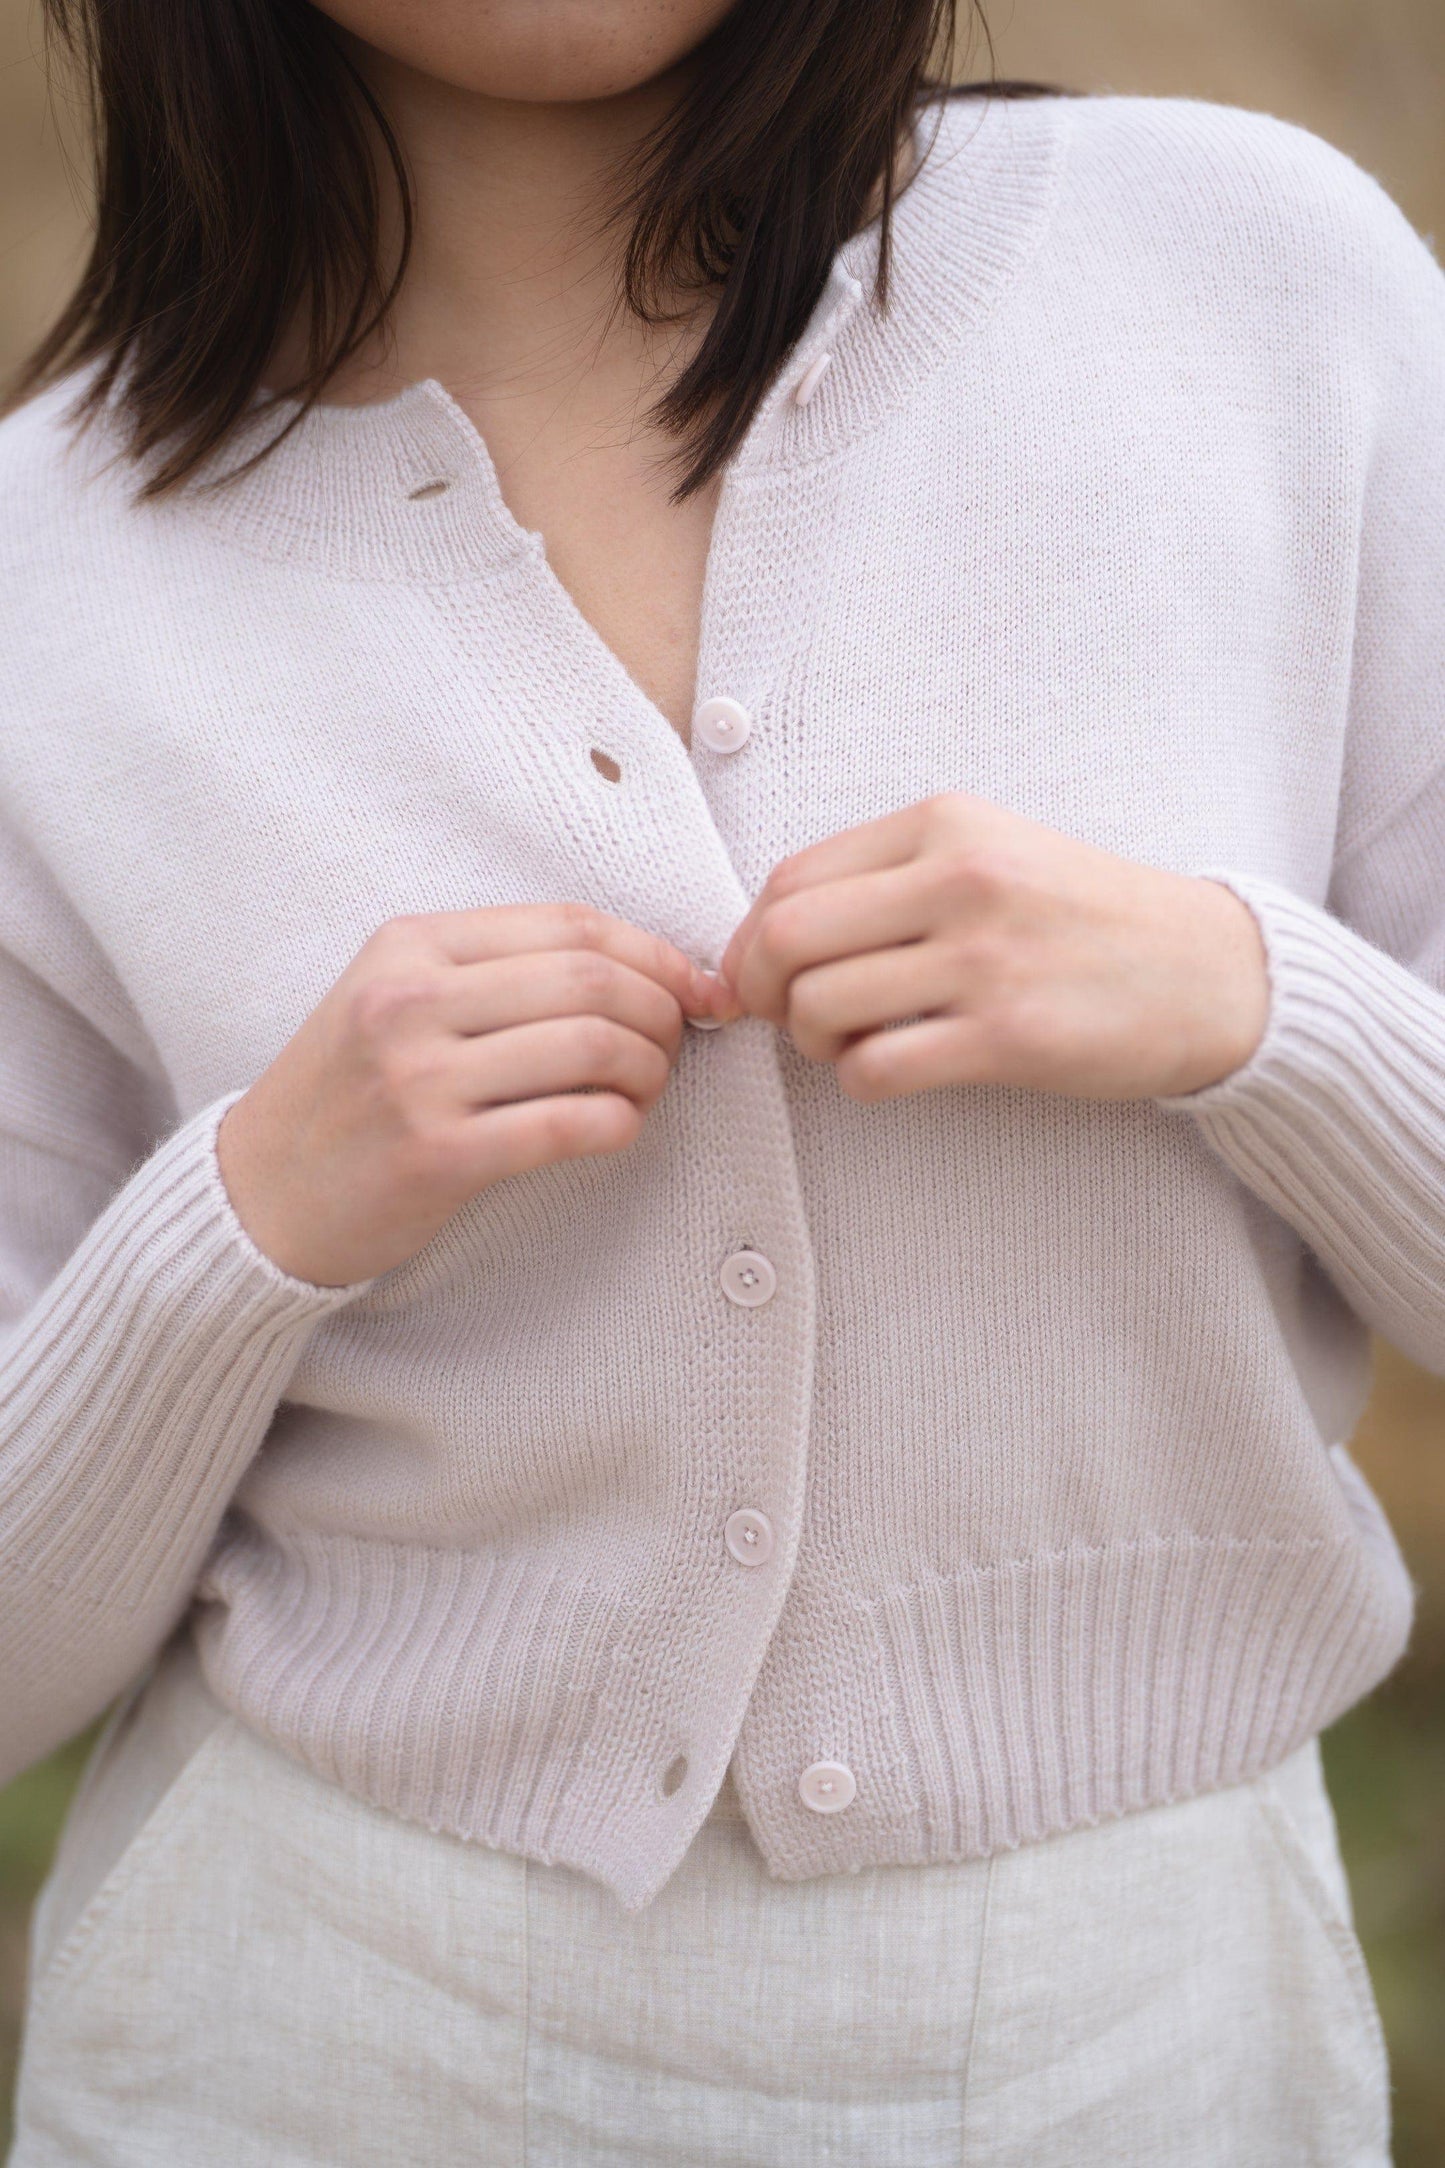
x: 206, y: 1124
x: 144, y: 1377
x: 1337, y: 1119
x: 1338, y: 1008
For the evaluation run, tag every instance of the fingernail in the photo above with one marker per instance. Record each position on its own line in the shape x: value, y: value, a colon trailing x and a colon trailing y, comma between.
x: 725, y: 1002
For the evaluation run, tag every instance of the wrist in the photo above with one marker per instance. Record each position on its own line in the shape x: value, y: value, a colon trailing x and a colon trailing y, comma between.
x: 1233, y: 984
x: 246, y: 1191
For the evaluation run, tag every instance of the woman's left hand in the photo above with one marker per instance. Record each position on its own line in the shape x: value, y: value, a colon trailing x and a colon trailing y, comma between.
x: 1027, y: 957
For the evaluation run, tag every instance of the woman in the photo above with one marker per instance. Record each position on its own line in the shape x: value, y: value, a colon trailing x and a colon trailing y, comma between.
x: 731, y: 1595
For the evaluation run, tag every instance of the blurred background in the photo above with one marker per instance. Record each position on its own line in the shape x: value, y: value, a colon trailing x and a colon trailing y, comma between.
x: 1370, y: 76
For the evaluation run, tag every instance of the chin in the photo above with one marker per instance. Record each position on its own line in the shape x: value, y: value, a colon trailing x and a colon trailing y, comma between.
x: 533, y: 51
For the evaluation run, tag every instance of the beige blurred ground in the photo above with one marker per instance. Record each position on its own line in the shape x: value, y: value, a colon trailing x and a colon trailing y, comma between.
x: 1370, y: 76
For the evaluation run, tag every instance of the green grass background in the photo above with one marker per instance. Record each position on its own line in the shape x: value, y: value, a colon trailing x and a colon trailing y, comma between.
x: 1370, y: 76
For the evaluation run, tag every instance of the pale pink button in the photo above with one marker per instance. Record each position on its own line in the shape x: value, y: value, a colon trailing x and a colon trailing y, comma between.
x: 748, y: 1278
x: 811, y: 378
x: 722, y: 724
x: 748, y: 1534
x: 828, y: 1787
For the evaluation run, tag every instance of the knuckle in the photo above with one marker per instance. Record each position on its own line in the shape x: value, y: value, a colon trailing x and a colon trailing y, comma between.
x: 784, y: 878
x: 982, y: 959
x: 581, y: 1121
x: 627, y: 1123
x: 1021, y: 1036
x: 595, y: 1041
x: 589, y: 975
x: 976, y: 873
x: 806, y: 1004
x: 581, y: 923
x: 560, y: 1123
x: 426, y: 1154
x: 778, y: 934
x: 865, y: 1071
x: 409, y: 933
x: 411, y: 1079
x: 656, y: 1069
x: 944, y: 809
x: 389, y: 999
x: 615, y: 1121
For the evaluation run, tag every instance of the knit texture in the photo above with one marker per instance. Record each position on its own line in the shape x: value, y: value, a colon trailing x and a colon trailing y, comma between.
x: 1129, y: 514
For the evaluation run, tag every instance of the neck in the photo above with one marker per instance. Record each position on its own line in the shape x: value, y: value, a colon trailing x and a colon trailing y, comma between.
x: 513, y: 284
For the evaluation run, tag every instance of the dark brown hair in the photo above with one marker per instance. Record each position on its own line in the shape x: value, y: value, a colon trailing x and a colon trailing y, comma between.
x: 241, y: 170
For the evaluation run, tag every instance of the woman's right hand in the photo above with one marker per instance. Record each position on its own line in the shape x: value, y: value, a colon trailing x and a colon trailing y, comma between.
x: 456, y: 1048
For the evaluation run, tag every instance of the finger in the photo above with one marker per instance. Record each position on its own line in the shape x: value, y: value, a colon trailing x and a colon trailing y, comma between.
x: 891, y: 840
x: 834, y: 1002
x: 557, y: 1054
x: 530, y: 1133
x: 465, y: 937
x: 507, y: 990
x: 886, y: 841
x: 889, y: 1064
x: 814, y: 925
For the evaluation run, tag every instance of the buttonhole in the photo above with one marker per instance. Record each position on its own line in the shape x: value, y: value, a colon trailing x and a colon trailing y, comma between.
x: 428, y: 489
x: 606, y: 765
x: 672, y: 1776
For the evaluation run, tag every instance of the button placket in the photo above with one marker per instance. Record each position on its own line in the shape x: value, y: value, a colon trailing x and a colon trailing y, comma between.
x: 747, y: 661
x: 723, y: 723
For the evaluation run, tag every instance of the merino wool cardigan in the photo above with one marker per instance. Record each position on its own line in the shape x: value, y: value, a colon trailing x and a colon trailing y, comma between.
x: 1128, y: 512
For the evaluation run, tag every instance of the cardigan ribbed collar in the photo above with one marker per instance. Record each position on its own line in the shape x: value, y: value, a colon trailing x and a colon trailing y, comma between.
x: 405, y: 487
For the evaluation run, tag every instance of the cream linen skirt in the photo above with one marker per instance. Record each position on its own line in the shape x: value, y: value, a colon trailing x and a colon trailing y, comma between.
x: 237, y: 1965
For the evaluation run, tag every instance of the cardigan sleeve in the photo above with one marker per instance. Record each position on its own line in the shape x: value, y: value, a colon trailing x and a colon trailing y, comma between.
x: 145, y: 1342
x: 1338, y: 1119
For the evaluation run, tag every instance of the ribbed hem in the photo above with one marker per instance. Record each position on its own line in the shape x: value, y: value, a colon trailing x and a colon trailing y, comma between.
x: 515, y: 1708
x: 1002, y: 1706
x: 1337, y: 1120
x: 488, y: 1697
x: 144, y: 1377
